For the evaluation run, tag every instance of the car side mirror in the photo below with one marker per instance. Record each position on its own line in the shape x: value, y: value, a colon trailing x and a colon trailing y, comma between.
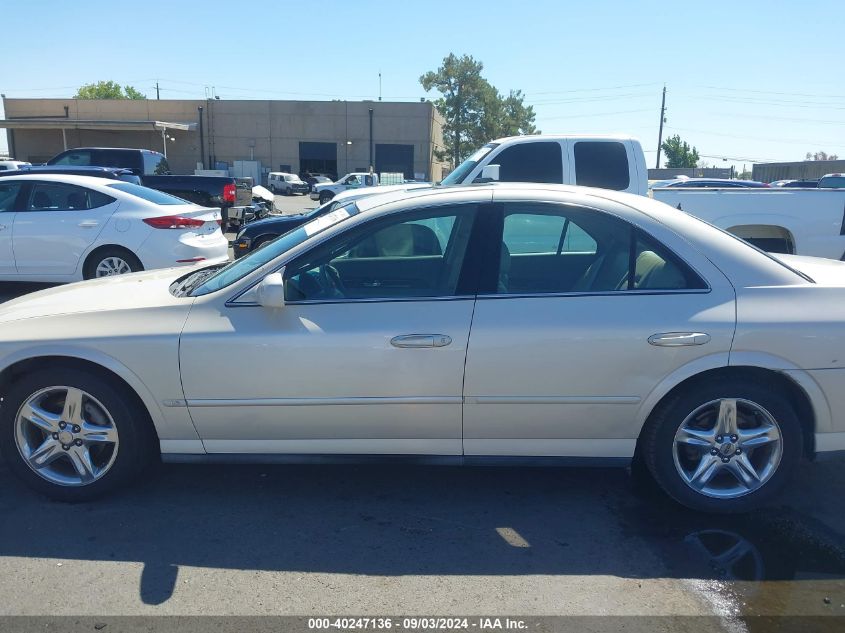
x: 489, y: 173
x: 271, y: 291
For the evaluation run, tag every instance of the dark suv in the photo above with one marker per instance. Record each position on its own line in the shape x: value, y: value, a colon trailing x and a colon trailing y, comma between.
x: 143, y: 162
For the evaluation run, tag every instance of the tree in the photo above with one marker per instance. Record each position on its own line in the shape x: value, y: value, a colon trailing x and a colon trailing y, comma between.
x: 821, y: 156
x: 107, y: 90
x: 679, y: 153
x: 474, y: 110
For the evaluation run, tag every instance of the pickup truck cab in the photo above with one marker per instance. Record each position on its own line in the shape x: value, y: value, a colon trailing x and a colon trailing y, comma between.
x: 607, y: 162
x: 355, y: 180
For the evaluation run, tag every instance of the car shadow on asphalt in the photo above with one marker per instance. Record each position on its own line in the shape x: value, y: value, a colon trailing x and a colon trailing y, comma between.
x: 414, y: 520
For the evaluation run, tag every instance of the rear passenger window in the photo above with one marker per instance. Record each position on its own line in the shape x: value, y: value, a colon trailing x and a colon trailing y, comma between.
x: 8, y: 194
x: 62, y: 197
x: 530, y: 162
x: 602, y: 164
x: 77, y: 159
x: 550, y: 249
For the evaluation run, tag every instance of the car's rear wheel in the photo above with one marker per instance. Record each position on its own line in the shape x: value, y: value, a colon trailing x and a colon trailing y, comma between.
x: 73, y: 434
x: 325, y: 196
x: 722, y: 445
x: 110, y: 262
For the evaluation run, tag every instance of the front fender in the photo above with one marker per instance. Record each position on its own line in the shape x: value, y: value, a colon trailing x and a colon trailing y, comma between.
x: 176, y: 425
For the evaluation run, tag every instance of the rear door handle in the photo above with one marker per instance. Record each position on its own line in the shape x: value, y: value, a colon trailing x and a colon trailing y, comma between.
x: 421, y: 340
x: 678, y: 339
x: 88, y: 224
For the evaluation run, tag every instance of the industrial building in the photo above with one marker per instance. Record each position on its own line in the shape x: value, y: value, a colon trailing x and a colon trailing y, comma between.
x: 333, y: 137
x: 799, y: 170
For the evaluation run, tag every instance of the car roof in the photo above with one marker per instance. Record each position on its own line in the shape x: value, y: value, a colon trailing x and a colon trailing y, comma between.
x: 527, y: 138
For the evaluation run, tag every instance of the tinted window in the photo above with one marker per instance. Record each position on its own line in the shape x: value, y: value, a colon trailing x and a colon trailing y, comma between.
x: 151, y: 195
x: 63, y: 197
x: 601, y: 164
x: 530, y: 162
x: 836, y: 182
x: 77, y: 158
x: 128, y: 159
x: 155, y: 164
x: 409, y: 255
x: 8, y: 193
x: 552, y: 249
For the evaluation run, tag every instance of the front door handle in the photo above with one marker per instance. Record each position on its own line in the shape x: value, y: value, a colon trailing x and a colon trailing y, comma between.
x: 421, y: 340
x: 88, y: 224
x: 678, y: 339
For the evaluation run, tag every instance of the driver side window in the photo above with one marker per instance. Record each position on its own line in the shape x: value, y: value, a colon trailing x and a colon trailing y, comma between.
x: 409, y: 255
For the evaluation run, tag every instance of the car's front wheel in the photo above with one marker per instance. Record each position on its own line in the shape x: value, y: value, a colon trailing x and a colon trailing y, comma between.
x: 73, y: 434
x: 723, y: 445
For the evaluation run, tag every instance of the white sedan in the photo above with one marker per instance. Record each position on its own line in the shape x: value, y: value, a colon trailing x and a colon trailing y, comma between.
x: 59, y: 228
x: 500, y: 323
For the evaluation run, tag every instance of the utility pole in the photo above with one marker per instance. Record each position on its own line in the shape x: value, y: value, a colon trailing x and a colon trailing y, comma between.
x: 660, y: 134
x: 379, y: 85
x: 157, y: 95
x: 371, y: 140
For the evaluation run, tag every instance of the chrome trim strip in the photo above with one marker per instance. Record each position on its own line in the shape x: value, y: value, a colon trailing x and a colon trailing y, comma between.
x: 552, y: 400
x: 321, y: 402
x: 551, y: 447
x: 351, y: 446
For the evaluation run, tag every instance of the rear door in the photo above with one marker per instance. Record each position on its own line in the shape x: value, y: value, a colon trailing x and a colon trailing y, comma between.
x: 606, y: 164
x: 56, y: 226
x: 580, y: 317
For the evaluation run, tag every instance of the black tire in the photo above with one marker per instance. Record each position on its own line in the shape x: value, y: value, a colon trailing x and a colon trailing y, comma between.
x: 658, y: 435
x: 325, y: 196
x: 273, y: 189
x: 89, y: 271
x: 137, y: 446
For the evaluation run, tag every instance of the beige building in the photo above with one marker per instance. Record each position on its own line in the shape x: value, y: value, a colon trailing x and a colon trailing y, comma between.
x: 318, y: 136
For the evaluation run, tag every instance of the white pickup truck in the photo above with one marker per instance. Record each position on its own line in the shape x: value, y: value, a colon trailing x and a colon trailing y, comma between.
x: 793, y: 221
x: 327, y: 191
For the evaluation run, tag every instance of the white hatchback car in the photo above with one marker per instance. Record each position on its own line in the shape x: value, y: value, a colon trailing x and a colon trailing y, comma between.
x: 65, y: 228
x: 499, y: 323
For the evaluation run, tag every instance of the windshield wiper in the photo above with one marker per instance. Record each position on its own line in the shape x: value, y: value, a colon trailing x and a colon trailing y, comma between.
x: 195, y: 279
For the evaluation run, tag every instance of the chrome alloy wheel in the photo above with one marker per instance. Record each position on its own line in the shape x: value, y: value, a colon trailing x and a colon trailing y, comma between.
x: 66, y: 436
x: 112, y: 266
x: 727, y: 448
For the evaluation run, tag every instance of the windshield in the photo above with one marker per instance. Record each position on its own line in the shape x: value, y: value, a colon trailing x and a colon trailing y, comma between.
x: 463, y: 170
x: 240, y: 268
x: 150, y: 195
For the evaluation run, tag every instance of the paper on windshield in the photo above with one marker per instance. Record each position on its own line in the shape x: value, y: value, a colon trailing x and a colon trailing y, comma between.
x: 325, y: 221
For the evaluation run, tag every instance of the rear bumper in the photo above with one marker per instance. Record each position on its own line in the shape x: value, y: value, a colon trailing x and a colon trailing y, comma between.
x: 161, y: 249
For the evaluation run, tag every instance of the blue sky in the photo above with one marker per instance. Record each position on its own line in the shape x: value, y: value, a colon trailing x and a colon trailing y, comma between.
x: 750, y: 81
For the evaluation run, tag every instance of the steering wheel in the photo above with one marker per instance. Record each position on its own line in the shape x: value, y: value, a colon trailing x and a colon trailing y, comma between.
x: 331, y: 281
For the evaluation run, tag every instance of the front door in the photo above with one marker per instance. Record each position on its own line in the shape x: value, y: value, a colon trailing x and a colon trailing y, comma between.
x: 57, y: 225
x: 366, y: 357
x: 584, y: 317
x: 11, y: 193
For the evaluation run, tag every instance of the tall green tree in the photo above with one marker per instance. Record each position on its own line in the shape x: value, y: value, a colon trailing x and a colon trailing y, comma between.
x: 107, y: 90
x: 474, y: 110
x: 678, y: 153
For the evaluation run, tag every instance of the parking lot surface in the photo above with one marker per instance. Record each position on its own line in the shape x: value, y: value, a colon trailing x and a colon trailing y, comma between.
x: 316, y: 540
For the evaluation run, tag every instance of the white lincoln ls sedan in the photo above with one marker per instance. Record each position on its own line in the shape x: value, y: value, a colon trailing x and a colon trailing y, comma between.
x: 58, y: 228
x: 498, y: 323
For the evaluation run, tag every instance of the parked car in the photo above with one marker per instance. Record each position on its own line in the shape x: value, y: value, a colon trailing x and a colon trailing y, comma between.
x: 8, y: 164
x: 260, y: 233
x: 501, y: 323
x: 154, y: 172
x: 807, y: 183
x: 326, y: 191
x: 61, y: 228
x: 723, y: 183
x: 316, y: 179
x: 113, y: 173
x: 832, y: 181
x: 280, y: 182
x: 776, y: 219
